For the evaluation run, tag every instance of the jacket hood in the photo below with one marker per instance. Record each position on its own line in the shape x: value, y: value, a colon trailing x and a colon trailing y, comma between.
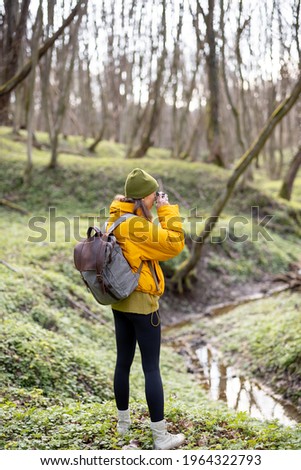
x: 118, y: 208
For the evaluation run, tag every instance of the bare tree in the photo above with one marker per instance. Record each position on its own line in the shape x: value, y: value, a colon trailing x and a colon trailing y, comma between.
x: 45, y: 66
x: 233, y: 107
x: 139, y: 111
x: 101, y: 128
x: 292, y: 171
x: 37, y: 30
x: 185, y: 128
x: 115, y: 75
x: 65, y: 66
x: 213, y: 126
x: 83, y: 114
x: 182, y: 275
x: 12, y: 34
x: 287, y: 185
x: 297, y: 11
x: 241, y: 26
x: 283, y: 85
x: 175, y: 71
x: 156, y: 102
x: 194, y: 133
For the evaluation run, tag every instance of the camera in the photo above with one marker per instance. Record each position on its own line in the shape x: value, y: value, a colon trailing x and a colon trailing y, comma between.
x: 163, y: 197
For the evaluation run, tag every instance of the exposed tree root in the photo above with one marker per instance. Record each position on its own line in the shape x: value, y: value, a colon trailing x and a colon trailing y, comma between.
x: 13, y: 206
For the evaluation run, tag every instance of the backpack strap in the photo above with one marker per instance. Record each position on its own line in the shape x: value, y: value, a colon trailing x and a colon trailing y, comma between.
x: 89, y: 231
x: 114, y: 226
x: 120, y: 219
x: 152, y: 270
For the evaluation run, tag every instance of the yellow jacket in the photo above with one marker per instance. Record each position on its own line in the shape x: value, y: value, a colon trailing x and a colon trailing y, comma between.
x: 155, y: 241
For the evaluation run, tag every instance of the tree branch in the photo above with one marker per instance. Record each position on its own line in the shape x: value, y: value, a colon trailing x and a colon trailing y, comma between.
x: 23, y: 73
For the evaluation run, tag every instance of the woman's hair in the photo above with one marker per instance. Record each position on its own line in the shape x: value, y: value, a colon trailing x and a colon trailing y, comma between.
x: 139, y: 204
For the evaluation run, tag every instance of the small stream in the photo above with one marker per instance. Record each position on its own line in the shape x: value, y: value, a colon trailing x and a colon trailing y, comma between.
x: 227, y: 384
x: 224, y: 383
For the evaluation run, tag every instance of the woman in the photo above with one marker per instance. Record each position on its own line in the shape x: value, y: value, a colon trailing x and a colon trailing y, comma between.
x: 144, y: 243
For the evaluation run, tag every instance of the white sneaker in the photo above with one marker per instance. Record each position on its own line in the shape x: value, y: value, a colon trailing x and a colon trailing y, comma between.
x: 124, y: 421
x: 163, y: 440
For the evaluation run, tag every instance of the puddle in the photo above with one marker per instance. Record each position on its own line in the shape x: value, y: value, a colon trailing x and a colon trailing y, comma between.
x: 223, y: 383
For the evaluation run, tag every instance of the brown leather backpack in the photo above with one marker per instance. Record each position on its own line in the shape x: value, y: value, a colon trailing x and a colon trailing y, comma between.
x: 102, y: 266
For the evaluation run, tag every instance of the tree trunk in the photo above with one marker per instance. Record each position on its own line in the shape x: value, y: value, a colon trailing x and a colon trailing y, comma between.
x: 182, y: 275
x: 246, y: 118
x: 297, y: 30
x: 14, y: 33
x: 105, y: 116
x: 30, y: 113
x: 287, y: 185
x: 234, y: 109
x: 98, y: 139
x: 64, y: 89
x: 139, y: 118
x: 146, y: 141
x: 193, y: 136
x: 213, y: 126
x: 280, y: 164
x: 54, y: 149
x: 139, y: 111
x: 271, y: 148
x: 186, y: 145
x: 19, y: 114
x: 175, y: 70
x: 213, y: 131
x: 104, y: 96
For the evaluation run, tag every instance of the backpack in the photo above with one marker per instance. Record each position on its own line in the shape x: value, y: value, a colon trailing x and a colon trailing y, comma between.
x: 103, y: 267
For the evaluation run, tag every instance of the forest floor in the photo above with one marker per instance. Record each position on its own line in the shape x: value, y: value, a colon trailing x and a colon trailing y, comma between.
x: 57, y: 349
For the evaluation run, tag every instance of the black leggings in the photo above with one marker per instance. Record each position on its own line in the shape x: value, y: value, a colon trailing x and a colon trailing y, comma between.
x: 130, y: 328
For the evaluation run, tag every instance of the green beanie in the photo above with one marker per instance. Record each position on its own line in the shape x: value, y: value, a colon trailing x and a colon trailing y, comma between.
x: 139, y: 184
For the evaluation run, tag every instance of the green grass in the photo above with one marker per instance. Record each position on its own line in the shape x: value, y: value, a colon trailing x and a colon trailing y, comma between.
x: 88, y: 183
x: 272, y: 251
x: 57, y: 347
x: 56, y: 385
